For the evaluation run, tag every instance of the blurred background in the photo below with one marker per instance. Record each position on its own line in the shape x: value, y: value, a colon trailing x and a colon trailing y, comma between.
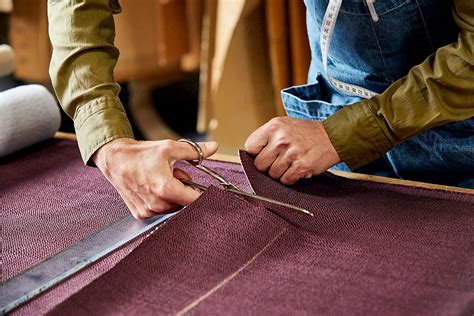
x: 201, y: 69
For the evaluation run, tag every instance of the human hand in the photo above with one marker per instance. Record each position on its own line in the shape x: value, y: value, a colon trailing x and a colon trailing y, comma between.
x: 143, y: 173
x: 290, y: 149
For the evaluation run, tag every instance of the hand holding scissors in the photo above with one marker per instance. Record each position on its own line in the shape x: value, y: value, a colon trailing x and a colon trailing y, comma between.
x: 229, y: 186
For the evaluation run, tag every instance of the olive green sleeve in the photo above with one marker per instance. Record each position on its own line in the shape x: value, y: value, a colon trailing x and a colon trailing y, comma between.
x: 84, y: 56
x: 438, y: 91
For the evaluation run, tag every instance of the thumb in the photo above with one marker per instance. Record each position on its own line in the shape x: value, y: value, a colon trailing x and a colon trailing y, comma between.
x: 186, y: 151
x: 208, y: 148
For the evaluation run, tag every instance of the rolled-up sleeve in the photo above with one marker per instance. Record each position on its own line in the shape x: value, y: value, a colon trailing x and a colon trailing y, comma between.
x: 438, y: 91
x: 84, y: 56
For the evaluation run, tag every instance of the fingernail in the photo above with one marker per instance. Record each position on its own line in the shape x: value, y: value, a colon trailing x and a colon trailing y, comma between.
x: 211, y: 145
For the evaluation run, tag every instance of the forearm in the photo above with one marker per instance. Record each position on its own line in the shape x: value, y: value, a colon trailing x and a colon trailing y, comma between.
x: 436, y: 92
x: 84, y: 56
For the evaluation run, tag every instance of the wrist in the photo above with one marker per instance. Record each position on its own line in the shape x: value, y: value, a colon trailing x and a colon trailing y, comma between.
x: 330, y: 154
x: 110, y: 149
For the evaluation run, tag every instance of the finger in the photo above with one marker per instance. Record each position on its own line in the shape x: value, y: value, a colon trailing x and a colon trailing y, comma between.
x: 172, y: 209
x: 177, y: 192
x: 133, y: 205
x: 290, y: 176
x: 185, y: 151
x: 257, y: 140
x: 145, y: 213
x: 209, y: 148
x: 137, y: 207
x: 181, y: 174
x: 279, y: 167
x: 265, y: 158
x: 143, y: 208
x: 158, y: 205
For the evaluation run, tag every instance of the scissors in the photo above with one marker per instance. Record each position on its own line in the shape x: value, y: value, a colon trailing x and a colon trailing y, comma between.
x: 229, y: 186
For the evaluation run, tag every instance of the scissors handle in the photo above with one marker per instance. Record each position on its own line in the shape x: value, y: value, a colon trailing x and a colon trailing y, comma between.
x: 198, y: 164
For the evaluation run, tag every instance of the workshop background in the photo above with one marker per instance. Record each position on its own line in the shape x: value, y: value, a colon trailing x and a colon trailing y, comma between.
x: 202, y: 69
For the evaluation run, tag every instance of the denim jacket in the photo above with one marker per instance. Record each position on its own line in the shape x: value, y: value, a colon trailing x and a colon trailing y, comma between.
x: 418, y: 56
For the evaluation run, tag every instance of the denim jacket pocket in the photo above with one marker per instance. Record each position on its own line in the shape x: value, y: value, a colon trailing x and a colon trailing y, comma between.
x: 306, y: 102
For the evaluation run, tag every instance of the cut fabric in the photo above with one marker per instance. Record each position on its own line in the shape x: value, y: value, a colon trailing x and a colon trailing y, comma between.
x: 370, y: 249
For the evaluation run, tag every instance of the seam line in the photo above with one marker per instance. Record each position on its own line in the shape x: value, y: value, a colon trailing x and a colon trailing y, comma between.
x: 221, y: 284
x: 424, y: 24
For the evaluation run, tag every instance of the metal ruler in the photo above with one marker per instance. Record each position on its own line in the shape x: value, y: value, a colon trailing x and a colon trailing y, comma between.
x: 35, y: 280
x: 327, y: 30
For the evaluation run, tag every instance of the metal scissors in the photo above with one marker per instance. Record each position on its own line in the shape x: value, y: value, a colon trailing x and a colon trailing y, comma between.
x: 229, y: 186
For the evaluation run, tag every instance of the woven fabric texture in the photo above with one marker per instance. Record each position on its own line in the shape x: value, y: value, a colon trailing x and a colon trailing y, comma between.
x: 370, y: 249
x: 49, y: 200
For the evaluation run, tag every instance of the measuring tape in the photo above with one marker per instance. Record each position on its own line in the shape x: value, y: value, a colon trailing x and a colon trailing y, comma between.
x: 327, y: 29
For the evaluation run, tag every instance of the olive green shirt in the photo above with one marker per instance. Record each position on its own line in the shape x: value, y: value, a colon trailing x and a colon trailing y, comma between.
x: 436, y: 92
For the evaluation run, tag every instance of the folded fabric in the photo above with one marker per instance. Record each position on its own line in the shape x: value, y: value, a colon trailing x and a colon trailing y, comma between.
x: 28, y: 115
x: 370, y: 249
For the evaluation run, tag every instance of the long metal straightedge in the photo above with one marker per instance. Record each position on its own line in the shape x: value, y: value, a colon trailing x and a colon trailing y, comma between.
x: 35, y: 280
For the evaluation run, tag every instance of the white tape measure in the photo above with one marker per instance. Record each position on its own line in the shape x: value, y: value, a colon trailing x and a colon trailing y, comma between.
x: 327, y: 29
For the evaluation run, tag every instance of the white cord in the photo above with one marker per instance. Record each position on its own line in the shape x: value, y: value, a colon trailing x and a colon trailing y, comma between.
x: 373, y: 13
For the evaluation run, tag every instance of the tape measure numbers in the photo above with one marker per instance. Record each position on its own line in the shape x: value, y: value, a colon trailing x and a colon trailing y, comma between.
x: 327, y: 30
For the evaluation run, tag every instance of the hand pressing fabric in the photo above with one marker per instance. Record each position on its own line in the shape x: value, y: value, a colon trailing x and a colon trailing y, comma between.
x: 290, y: 149
x: 143, y: 173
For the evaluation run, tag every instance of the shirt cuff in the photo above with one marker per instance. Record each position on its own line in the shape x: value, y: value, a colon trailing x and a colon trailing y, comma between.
x: 99, y: 122
x: 357, y: 135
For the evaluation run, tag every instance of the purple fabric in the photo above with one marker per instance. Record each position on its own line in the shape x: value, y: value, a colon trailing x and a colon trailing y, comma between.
x: 370, y: 249
x: 46, y: 196
x: 49, y: 200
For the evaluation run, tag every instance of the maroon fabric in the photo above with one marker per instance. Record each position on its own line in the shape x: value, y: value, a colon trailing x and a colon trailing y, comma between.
x: 370, y: 249
x: 49, y: 200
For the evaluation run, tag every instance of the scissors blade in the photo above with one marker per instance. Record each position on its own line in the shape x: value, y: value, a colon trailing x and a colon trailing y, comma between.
x: 269, y: 203
x: 264, y: 201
